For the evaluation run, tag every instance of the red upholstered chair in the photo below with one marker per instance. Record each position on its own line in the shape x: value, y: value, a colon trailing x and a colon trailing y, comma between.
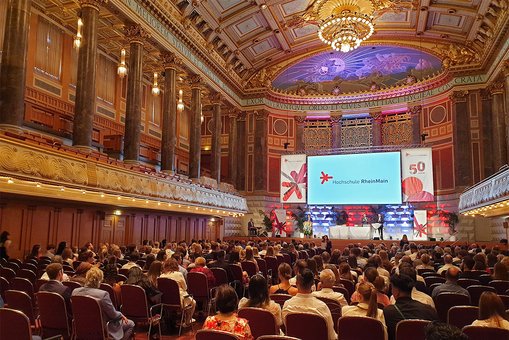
x: 209, y: 334
x: 30, y: 266
x: 23, y: 285
x: 272, y: 267
x: 14, y: 325
x: 360, y: 327
x: 71, y: 284
x: 280, y: 298
x: 198, y: 287
x: 4, y: 286
x: 343, y: 291
x: 16, y: 261
x: 38, y: 284
x: 306, y: 326
x: 12, y: 265
x: 411, y: 329
x: 135, y: 306
x: 433, y: 279
x: 171, y: 298
x: 425, y: 270
x: 277, y: 337
x: 465, y: 283
x: 221, y: 276
x: 500, y: 286
x: 483, y: 333
x: 7, y: 273
x: 261, y: 321
x: 21, y: 301
x: 334, y: 307
x: 124, y: 272
x: 236, y: 272
x: 485, y: 279
x: 461, y: 316
x: 27, y: 274
x: 53, y: 315
x: 432, y: 287
x: 475, y: 292
x: 287, y: 258
x: 444, y: 301
x: 505, y: 300
x: 249, y: 267
x: 107, y: 288
x: 349, y: 285
x: 87, y: 319
x: 262, y: 265
x: 430, y: 273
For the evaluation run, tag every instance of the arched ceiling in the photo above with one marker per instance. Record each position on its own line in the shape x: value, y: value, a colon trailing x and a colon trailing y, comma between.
x: 359, y: 70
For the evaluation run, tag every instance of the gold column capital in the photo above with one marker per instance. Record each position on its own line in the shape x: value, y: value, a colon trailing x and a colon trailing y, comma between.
x: 458, y: 96
x: 136, y: 34
x: 261, y: 115
x: 415, y: 110
x: 96, y: 4
x: 300, y: 119
x: 496, y: 87
x: 170, y: 60
x: 196, y: 81
x: 216, y: 98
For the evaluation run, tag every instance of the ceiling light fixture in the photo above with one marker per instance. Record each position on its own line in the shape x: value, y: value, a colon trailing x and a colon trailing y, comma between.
x: 155, y: 86
x: 78, y: 36
x: 180, y: 104
x: 122, y: 68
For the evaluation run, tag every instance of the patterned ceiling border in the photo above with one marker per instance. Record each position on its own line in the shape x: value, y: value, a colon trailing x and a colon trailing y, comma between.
x: 359, y: 101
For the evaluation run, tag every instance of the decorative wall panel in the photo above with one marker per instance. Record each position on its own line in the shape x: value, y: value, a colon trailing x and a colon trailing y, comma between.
x: 356, y: 133
x: 317, y: 135
x: 397, y: 129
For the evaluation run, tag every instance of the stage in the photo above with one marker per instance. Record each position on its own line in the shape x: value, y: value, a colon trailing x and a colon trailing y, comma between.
x: 342, y: 243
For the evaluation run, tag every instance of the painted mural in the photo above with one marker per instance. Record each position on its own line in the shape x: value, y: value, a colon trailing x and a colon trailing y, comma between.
x: 366, y: 68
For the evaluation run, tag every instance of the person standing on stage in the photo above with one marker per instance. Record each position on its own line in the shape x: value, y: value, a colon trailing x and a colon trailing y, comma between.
x: 364, y: 220
x: 380, y: 219
x: 251, y: 228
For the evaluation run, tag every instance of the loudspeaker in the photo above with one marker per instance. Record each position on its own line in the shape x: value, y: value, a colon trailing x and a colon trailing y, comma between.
x: 376, y: 238
x: 432, y: 239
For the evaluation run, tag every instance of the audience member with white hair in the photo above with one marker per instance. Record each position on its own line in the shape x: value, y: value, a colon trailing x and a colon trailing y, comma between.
x: 327, y: 280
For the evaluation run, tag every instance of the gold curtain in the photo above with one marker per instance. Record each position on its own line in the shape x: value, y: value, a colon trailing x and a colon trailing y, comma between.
x: 106, y: 77
x: 3, y: 17
x: 48, y: 58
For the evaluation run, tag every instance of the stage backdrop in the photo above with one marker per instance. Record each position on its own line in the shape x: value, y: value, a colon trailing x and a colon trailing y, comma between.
x: 294, y: 174
x: 420, y: 225
x: 417, y: 175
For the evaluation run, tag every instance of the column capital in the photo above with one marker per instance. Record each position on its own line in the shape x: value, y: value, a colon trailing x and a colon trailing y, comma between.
x: 170, y: 60
x: 196, y: 81
x: 496, y: 87
x: 216, y: 98
x: 96, y: 4
x: 261, y: 115
x: 136, y: 34
x: 485, y: 94
x: 505, y: 68
x: 458, y: 96
x: 376, y: 115
x: 336, y: 119
x: 233, y: 113
x: 300, y: 120
x: 415, y: 110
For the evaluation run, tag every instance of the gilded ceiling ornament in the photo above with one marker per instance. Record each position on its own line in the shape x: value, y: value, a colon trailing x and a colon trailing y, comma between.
x: 264, y: 77
x: 456, y: 54
x: 93, y: 3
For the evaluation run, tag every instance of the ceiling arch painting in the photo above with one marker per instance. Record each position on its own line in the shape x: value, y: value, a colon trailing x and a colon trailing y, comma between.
x: 368, y: 67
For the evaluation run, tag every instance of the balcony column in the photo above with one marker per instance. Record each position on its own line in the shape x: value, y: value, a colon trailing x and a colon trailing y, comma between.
x: 336, y: 130
x: 195, y: 133
x: 216, y: 137
x: 505, y: 73
x: 84, y: 108
x: 261, y: 150
x: 499, y: 150
x: 14, y: 61
x: 132, y: 136
x: 376, y: 128
x: 169, y: 128
x: 300, y: 123
x: 463, y: 175
x: 415, y: 116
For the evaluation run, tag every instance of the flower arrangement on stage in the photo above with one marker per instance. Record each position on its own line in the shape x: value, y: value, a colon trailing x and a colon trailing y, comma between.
x: 299, y: 217
x: 451, y: 219
x: 308, y: 228
x: 267, y: 221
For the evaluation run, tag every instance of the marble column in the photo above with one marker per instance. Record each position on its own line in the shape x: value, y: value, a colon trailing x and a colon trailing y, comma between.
x: 232, y: 146
x: 84, y: 108
x: 132, y: 136
x: 415, y: 116
x: 169, y: 128
x: 216, y: 138
x: 335, y: 120
x: 498, y: 132
x: 260, y: 150
x: 14, y: 61
x: 376, y: 128
x: 486, y: 126
x: 462, y: 143
x: 195, y: 133
x: 505, y: 73
x: 241, y: 151
x: 300, y: 122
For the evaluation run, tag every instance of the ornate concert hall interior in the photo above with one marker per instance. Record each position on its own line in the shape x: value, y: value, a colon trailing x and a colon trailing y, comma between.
x: 127, y: 120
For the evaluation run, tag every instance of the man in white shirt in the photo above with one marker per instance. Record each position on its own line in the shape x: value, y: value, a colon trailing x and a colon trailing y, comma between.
x: 327, y: 279
x: 305, y: 302
x: 447, y: 264
x: 135, y: 256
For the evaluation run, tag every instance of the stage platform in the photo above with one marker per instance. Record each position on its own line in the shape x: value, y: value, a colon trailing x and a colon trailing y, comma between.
x: 341, y: 244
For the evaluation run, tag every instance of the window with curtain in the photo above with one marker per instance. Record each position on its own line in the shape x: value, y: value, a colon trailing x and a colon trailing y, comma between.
x: 74, y: 66
x: 105, y: 81
x: 155, y: 109
x: 3, y: 17
x: 48, y: 57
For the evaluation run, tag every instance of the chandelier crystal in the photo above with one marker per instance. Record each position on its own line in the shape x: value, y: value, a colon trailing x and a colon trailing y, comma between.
x: 122, y: 68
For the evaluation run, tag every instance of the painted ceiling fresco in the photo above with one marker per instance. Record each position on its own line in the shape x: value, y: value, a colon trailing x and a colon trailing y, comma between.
x: 368, y: 67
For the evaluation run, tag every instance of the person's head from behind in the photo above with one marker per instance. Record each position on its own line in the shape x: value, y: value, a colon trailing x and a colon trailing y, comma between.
x: 55, y: 271
x: 448, y: 259
x: 94, y: 278
x: 368, y: 293
x: 135, y: 256
x: 500, y: 272
x: 305, y: 280
x: 442, y: 331
x: 170, y: 265
x: 327, y: 278
x: 425, y: 259
x: 220, y: 256
x: 402, y: 285
x: 135, y: 275
x: 370, y: 274
x: 155, y: 269
x: 226, y: 299
x: 491, y: 305
x: 200, y: 262
x: 468, y: 263
x: 409, y: 271
x: 453, y: 274
x: 284, y: 271
x: 258, y: 292
x: 57, y: 259
x: 299, y: 266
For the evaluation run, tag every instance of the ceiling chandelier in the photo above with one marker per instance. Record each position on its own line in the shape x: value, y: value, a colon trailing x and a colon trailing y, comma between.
x: 345, y: 24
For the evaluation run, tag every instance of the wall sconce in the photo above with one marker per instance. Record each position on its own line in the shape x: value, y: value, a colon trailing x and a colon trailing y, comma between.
x: 78, y: 36
x: 180, y: 104
x: 122, y: 68
x: 201, y: 113
x: 155, y: 86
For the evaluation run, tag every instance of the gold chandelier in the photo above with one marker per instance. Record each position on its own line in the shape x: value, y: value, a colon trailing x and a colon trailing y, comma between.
x: 345, y: 24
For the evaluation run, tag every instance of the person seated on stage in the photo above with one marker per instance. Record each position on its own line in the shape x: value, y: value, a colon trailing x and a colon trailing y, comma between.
x: 259, y: 298
x: 327, y: 281
x: 253, y: 231
x: 304, y: 302
x: 284, y: 287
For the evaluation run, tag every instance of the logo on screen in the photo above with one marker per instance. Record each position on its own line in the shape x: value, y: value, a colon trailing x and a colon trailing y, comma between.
x: 325, y: 177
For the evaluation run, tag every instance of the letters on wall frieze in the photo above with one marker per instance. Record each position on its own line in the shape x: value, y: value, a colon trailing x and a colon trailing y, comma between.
x: 28, y: 162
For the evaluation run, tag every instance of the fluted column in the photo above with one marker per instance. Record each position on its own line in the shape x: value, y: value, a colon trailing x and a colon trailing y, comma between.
x: 498, y: 125
x: 84, y: 108
x: 132, y: 136
x: 415, y: 116
x: 195, y: 133
x: 216, y: 138
x: 14, y: 61
x: 300, y: 122
x: 260, y: 150
x: 241, y: 151
x: 461, y: 136
x: 505, y: 73
x: 232, y: 146
x: 376, y: 128
x: 336, y: 130
x: 169, y: 128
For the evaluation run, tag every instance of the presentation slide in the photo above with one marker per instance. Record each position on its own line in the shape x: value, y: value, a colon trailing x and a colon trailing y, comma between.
x: 372, y: 178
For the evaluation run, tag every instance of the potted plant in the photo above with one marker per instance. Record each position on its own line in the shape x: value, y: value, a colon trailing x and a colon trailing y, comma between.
x: 267, y: 222
x: 451, y: 219
x: 299, y: 217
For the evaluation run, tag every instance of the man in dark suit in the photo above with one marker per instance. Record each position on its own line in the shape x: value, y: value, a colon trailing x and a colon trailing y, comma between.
x: 405, y: 307
x: 120, y: 328
x: 55, y: 273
